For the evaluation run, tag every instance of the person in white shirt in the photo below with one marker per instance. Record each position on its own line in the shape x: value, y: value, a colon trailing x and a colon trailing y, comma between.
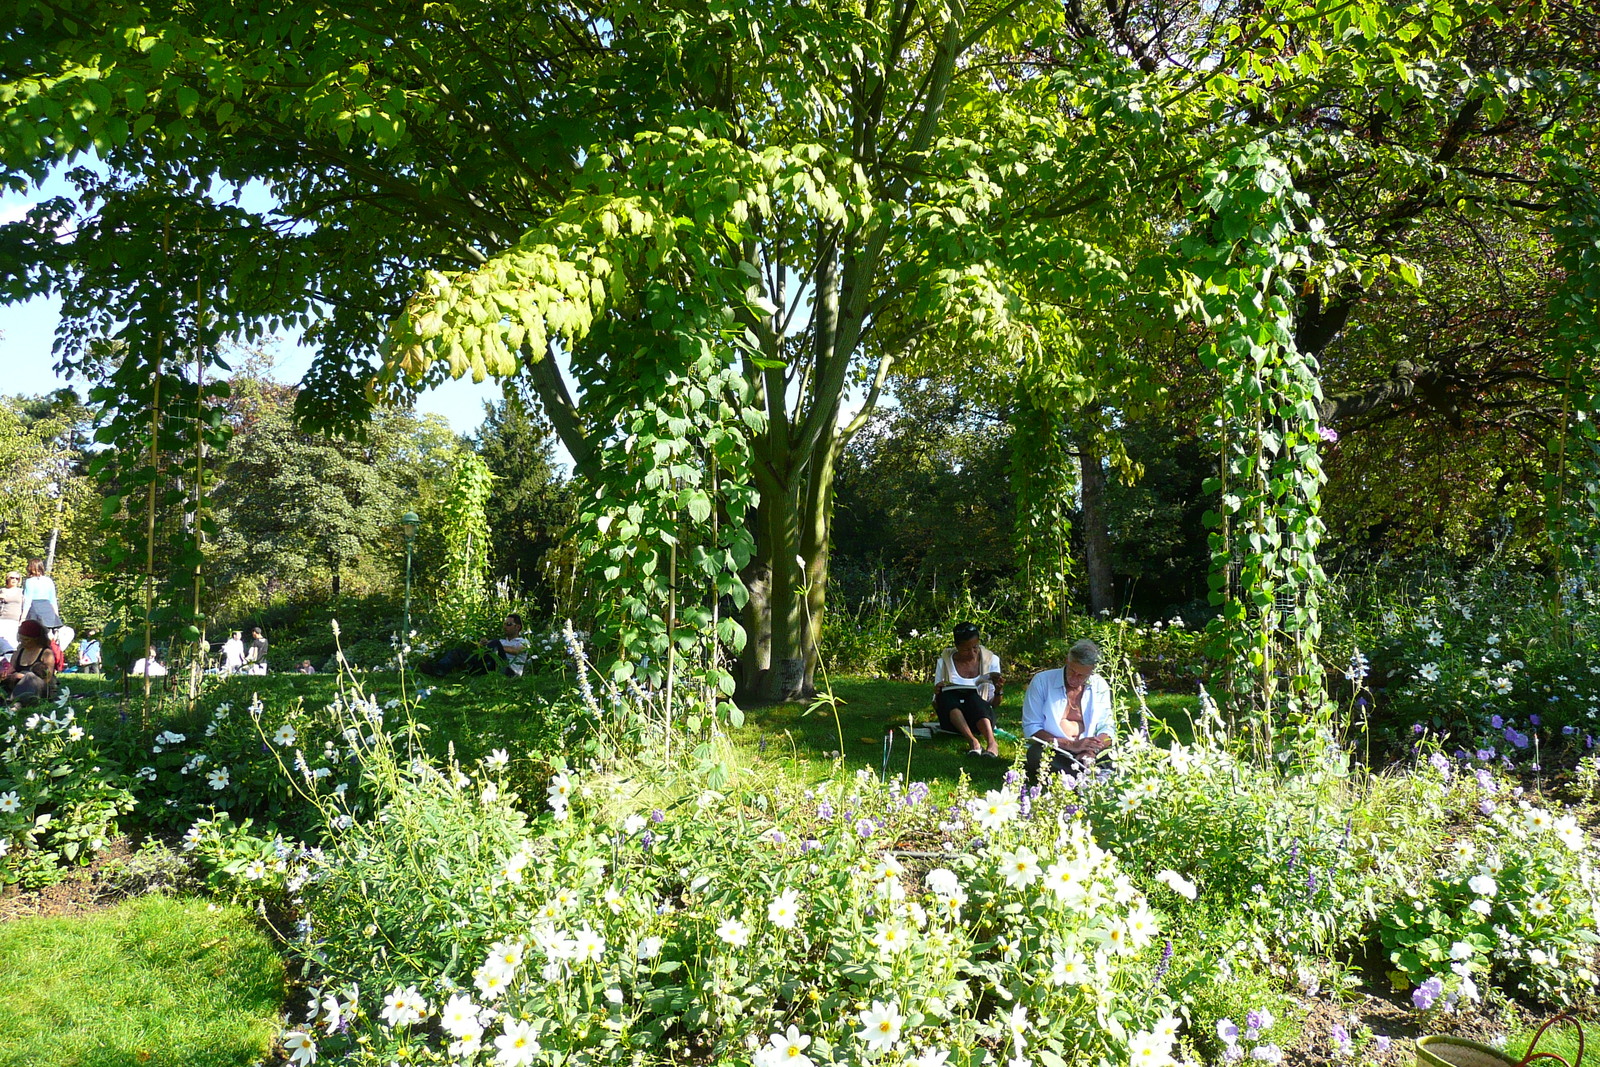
x: 233, y: 653
x: 966, y: 690
x: 1068, y: 711
x: 39, y: 596
x: 148, y: 664
x: 509, y: 651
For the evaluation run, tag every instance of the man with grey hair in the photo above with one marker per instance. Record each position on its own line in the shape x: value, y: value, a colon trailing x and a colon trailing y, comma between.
x: 1068, y: 711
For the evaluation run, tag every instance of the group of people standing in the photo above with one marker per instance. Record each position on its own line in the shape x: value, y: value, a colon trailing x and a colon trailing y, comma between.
x: 32, y: 634
x: 240, y: 658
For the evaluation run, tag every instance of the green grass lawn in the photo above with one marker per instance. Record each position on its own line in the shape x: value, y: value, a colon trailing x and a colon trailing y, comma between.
x: 153, y: 982
x: 476, y: 714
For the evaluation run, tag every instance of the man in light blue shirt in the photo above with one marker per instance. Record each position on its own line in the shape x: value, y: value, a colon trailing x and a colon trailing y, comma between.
x: 1068, y: 711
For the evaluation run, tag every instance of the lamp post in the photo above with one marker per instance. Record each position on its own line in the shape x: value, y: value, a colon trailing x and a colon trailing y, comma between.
x: 409, y: 522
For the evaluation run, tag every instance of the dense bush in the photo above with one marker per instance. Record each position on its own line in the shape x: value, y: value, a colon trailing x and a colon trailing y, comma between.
x: 59, y: 801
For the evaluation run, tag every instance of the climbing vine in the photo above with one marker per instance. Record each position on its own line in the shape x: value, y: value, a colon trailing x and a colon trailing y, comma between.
x: 1250, y: 251
x: 466, y: 540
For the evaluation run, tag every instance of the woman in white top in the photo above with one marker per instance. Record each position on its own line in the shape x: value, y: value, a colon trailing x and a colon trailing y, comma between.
x: 39, y: 596
x: 966, y: 690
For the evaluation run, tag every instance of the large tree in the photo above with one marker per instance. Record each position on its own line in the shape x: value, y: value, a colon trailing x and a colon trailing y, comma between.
x: 693, y: 230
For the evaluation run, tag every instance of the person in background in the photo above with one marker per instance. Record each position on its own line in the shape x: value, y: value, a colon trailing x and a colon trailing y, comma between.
x: 1068, y: 711
x: 966, y: 690
x: 33, y: 665
x: 255, y: 653
x: 149, y: 664
x: 89, y: 654
x: 233, y: 653
x: 11, y: 608
x: 306, y: 667
x: 508, y: 651
x: 39, y: 596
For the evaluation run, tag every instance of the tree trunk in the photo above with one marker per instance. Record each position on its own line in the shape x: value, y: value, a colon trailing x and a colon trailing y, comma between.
x: 1096, y: 533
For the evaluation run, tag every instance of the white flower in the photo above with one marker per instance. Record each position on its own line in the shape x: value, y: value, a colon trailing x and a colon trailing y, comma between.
x: 1537, y: 820
x: 255, y: 870
x: 942, y: 883
x: 284, y: 736
x: 784, y: 909
x: 786, y: 1048
x: 1502, y: 685
x: 491, y: 793
x: 1428, y: 672
x: 559, y: 791
x: 997, y: 808
x: 518, y: 1045
x: 218, y: 779
x: 1460, y: 950
x: 491, y: 981
x: 734, y: 933
x: 404, y: 1007
x: 1178, y: 884
x: 1148, y: 1050
x: 889, y: 938
x: 300, y: 1047
x: 1483, y: 885
x: 1539, y: 907
x: 1569, y: 833
x: 9, y: 802
x: 459, y: 1017
x: 1463, y: 849
x: 1068, y: 880
x: 1480, y: 907
x: 497, y: 760
x: 1141, y: 926
x: 590, y: 946
x: 932, y: 1057
x: 506, y: 956
x: 1020, y: 868
x: 633, y: 824
x: 881, y: 1025
x: 1069, y: 968
x: 650, y: 948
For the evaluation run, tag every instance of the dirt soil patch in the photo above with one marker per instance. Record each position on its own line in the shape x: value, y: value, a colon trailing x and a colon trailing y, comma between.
x: 82, y: 891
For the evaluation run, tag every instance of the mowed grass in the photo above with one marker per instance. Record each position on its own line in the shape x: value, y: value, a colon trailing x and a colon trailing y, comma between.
x: 476, y: 714
x: 152, y: 982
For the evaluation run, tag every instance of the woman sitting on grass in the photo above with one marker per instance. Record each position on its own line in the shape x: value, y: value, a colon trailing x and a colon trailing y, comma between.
x: 33, y: 665
x: 966, y: 690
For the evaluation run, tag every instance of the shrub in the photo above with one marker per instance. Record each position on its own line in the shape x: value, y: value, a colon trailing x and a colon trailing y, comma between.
x: 58, y: 803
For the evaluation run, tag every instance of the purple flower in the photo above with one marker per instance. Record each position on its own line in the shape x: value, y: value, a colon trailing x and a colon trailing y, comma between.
x: 825, y: 811
x: 1166, y: 961
x: 1486, y: 754
x: 1294, y: 855
x: 1533, y: 720
x: 1328, y: 434
x: 1486, y: 781
x: 1495, y: 722
x: 1011, y: 777
x: 778, y: 837
x: 1439, y: 762
x: 1426, y: 993
x: 1417, y: 728
x: 1486, y: 806
x: 1228, y: 1031
x: 864, y: 827
x: 657, y: 815
x: 1518, y: 739
x: 647, y: 839
x: 1254, y: 1020
x: 1380, y: 1044
x: 1311, y: 881
x: 810, y: 844
x: 1568, y: 731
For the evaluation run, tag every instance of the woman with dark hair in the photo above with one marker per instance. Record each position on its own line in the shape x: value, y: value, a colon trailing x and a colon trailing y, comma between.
x: 33, y: 665
x: 966, y: 690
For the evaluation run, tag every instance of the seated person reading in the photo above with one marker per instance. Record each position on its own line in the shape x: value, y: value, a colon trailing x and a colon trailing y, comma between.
x: 1068, y: 711
x: 966, y: 690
